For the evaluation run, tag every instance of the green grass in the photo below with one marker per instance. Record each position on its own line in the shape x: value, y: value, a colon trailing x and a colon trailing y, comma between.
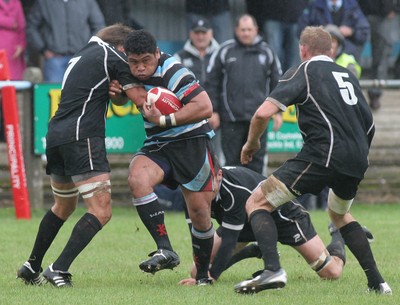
x: 107, y: 271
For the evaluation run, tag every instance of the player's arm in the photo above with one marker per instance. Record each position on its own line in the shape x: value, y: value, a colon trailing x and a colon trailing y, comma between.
x: 197, y: 109
x: 258, y: 125
x: 134, y: 92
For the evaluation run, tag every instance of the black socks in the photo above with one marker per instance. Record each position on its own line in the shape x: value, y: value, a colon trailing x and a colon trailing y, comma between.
x: 85, y: 229
x: 266, y: 234
x: 48, y: 229
x: 152, y: 216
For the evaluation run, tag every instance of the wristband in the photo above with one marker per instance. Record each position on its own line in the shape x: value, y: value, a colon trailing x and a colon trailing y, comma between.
x: 173, y: 120
x: 168, y: 122
x: 163, y: 121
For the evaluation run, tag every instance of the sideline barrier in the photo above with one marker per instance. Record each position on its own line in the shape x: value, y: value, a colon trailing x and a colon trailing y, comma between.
x: 15, y: 154
x: 14, y: 144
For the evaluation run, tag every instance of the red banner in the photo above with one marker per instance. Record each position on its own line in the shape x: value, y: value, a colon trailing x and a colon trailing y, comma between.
x: 14, y: 150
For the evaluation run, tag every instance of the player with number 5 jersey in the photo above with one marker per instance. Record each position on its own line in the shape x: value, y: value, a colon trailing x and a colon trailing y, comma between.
x: 337, y: 127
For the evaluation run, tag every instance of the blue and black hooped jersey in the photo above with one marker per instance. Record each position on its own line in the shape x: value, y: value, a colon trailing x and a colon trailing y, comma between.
x: 171, y: 74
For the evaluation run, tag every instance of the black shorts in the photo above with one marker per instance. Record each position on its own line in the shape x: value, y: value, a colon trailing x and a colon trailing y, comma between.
x: 76, y: 158
x: 185, y: 162
x: 292, y: 222
x: 302, y: 177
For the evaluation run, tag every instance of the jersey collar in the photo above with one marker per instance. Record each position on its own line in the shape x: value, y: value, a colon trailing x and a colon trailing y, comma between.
x: 321, y: 57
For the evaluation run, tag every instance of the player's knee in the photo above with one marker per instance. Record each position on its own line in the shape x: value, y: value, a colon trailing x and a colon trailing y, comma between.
x: 330, y: 272
x: 133, y: 180
x: 105, y: 216
x: 338, y: 205
x: 95, y: 189
x: 65, y: 201
x: 275, y: 192
x: 322, y: 265
x: 200, y: 219
x: 103, y: 212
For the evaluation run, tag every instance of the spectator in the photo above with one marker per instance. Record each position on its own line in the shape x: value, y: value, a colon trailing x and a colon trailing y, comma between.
x: 196, y: 52
x: 239, y: 77
x: 58, y: 29
x: 217, y: 11
x: 12, y: 33
x: 118, y: 11
x: 346, y: 14
x: 338, y: 55
x: 195, y: 55
x: 383, y: 20
x: 278, y: 22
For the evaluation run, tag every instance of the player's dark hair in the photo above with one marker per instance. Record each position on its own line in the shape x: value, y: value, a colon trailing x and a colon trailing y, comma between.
x: 140, y: 42
x: 115, y: 34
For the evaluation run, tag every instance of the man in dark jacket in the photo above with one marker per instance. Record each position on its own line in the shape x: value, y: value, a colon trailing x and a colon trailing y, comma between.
x: 278, y: 22
x: 382, y: 16
x: 217, y: 11
x: 239, y: 77
x: 196, y: 52
x: 58, y: 29
x: 346, y: 14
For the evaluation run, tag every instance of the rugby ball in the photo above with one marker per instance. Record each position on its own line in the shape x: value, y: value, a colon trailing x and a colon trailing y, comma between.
x: 165, y: 100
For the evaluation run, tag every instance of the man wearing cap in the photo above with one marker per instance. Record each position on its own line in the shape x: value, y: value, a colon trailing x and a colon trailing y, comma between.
x: 197, y: 50
x: 239, y: 77
x: 195, y: 55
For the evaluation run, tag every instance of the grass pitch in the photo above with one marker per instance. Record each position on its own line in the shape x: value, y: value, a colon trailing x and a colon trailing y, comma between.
x: 107, y: 271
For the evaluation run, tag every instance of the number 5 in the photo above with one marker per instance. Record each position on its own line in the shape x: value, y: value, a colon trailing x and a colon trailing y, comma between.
x: 346, y: 88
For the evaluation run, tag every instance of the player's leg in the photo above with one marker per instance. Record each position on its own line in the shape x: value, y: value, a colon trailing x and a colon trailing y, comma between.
x: 144, y: 174
x: 353, y: 234
x: 65, y: 200
x: 244, y: 251
x: 199, y: 209
x: 320, y: 260
x: 259, y: 208
x: 95, y: 189
x: 293, y: 178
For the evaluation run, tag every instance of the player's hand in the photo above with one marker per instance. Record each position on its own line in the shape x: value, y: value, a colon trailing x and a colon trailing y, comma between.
x: 277, y: 122
x: 214, y: 121
x: 192, y: 282
x: 187, y: 282
x: 151, y: 113
x: 346, y: 30
x: 248, y: 150
x: 114, y: 88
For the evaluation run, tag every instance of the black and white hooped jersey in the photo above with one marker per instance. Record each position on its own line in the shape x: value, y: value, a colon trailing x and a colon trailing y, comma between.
x: 84, y: 94
x: 333, y: 116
